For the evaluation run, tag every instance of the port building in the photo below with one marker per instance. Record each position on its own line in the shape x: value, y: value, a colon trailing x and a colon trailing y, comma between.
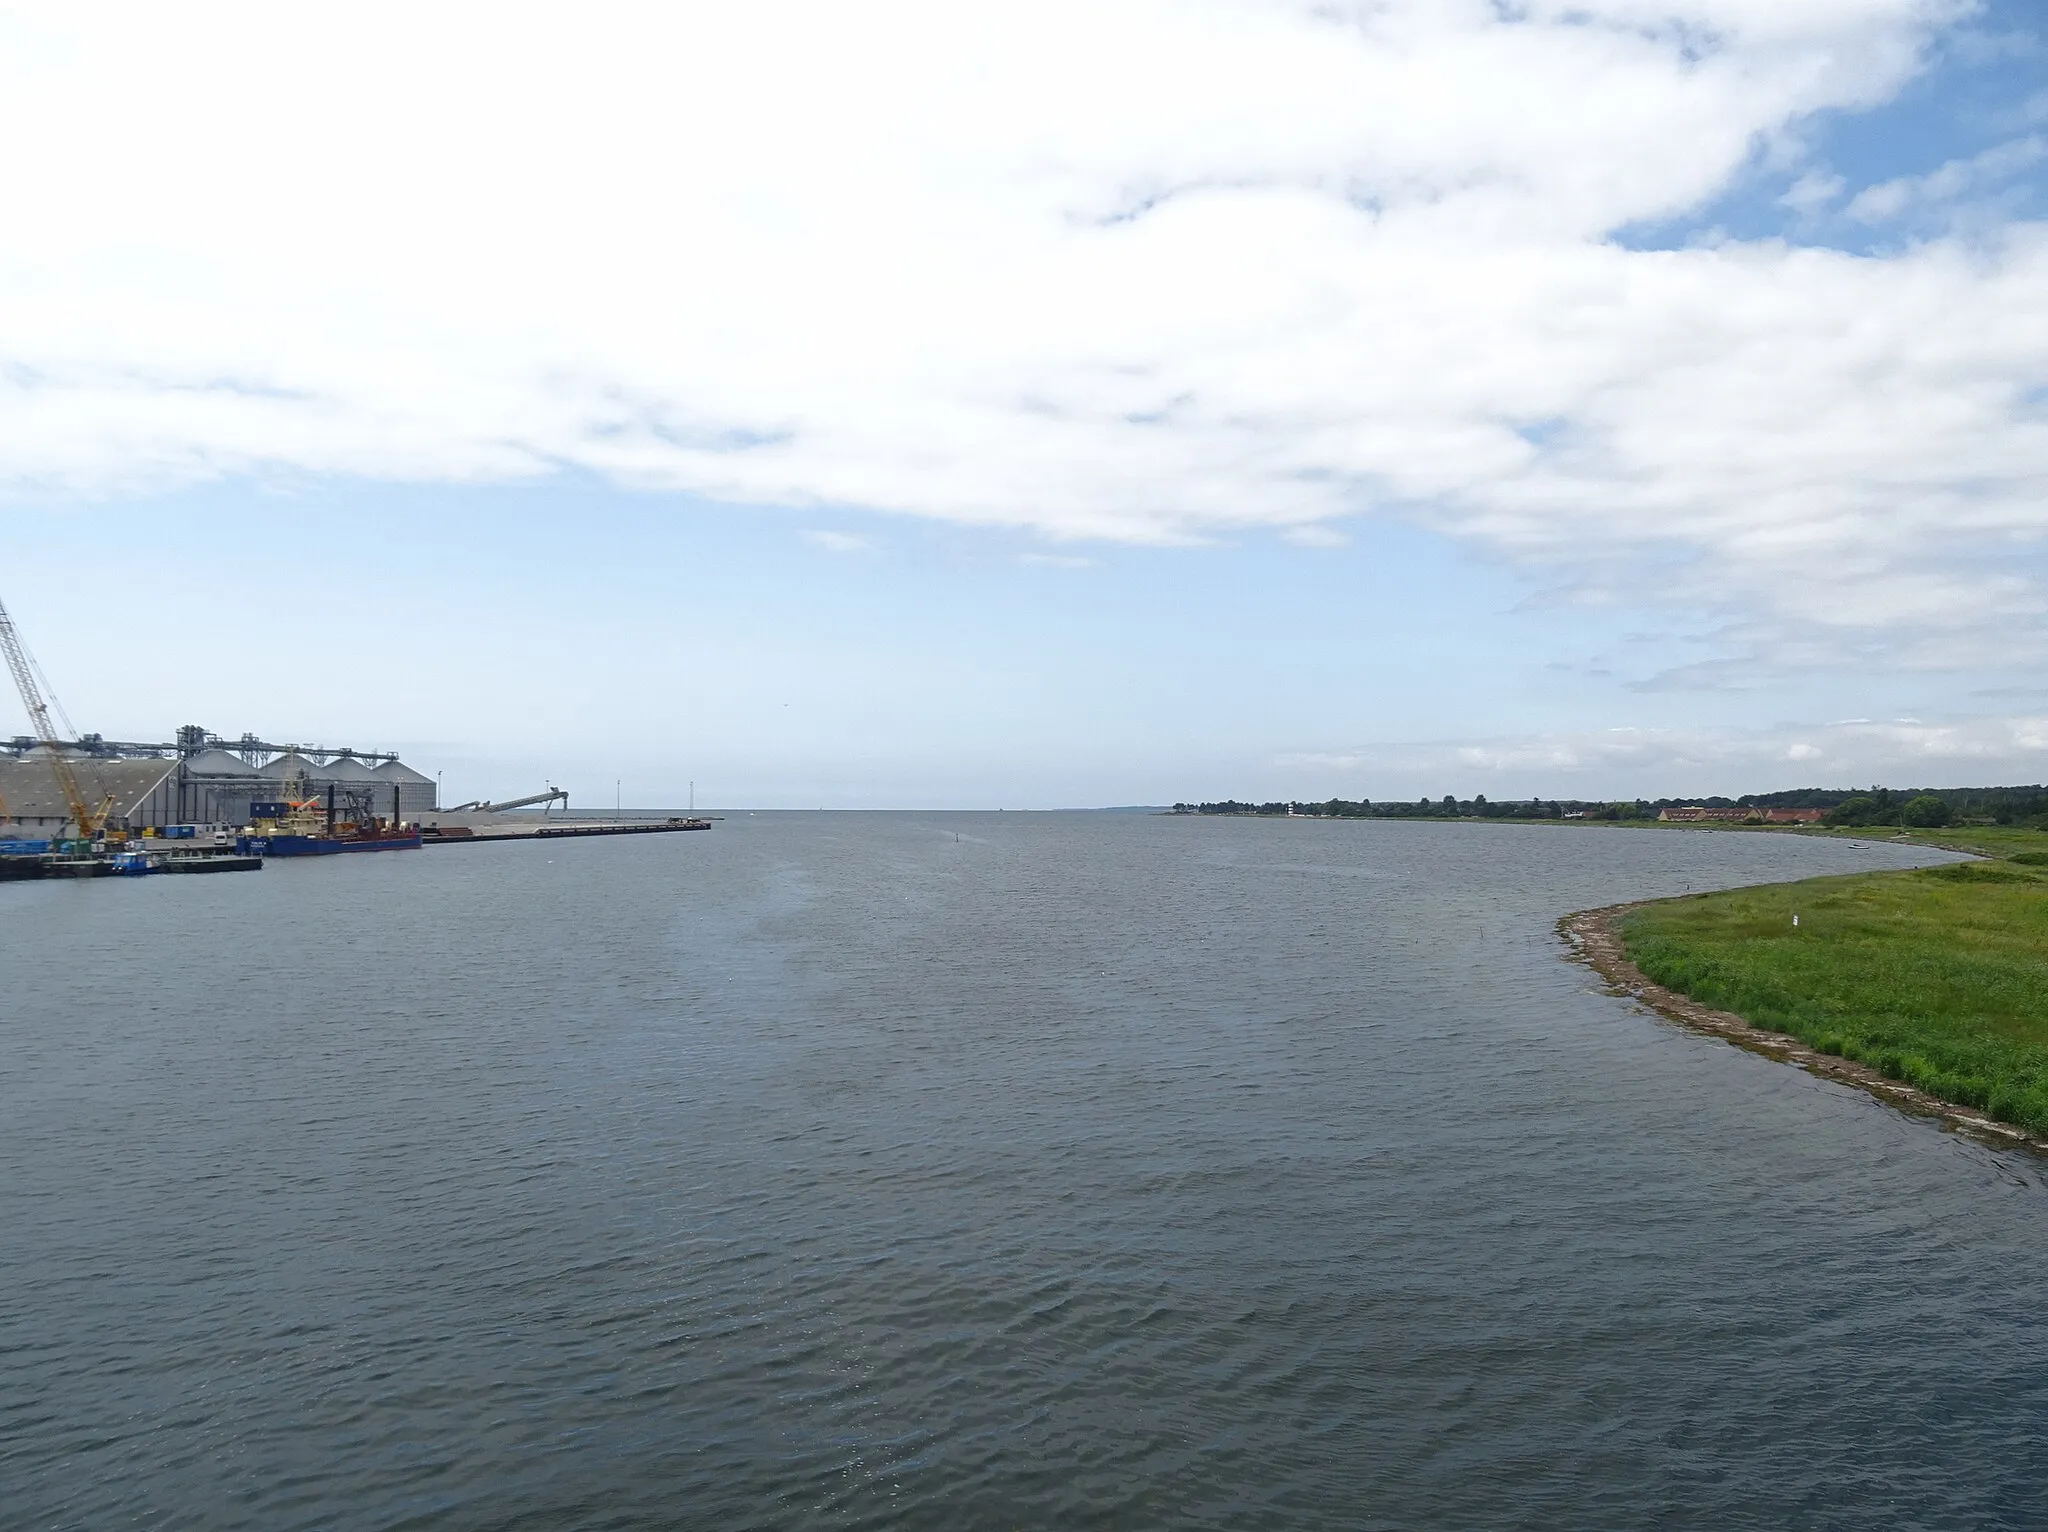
x: 32, y: 806
x: 200, y: 779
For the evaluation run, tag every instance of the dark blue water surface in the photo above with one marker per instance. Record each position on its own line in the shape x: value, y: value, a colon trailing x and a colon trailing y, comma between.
x: 965, y: 1171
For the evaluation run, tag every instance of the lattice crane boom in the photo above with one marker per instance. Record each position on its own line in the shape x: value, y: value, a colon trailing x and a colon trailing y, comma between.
x: 90, y: 820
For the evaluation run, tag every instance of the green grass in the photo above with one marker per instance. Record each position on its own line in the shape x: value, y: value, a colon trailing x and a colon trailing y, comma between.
x: 1937, y: 977
x: 1985, y: 840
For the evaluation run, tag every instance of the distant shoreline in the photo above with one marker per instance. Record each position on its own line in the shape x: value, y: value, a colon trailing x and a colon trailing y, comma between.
x: 1595, y: 939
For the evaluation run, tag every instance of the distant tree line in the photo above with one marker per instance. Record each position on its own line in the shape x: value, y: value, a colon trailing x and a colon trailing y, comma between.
x: 1446, y: 807
x: 1929, y: 806
x: 1873, y: 807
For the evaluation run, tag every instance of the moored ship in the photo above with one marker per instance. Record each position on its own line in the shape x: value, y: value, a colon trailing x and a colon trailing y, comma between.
x: 309, y: 827
x: 327, y: 845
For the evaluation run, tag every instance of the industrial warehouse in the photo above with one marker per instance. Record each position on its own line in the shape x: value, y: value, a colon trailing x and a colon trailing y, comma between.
x: 201, y: 779
x: 90, y: 807
x: 190, y: 802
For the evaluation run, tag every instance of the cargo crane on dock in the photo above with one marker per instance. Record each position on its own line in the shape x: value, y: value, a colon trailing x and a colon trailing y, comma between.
x: 91, y: 820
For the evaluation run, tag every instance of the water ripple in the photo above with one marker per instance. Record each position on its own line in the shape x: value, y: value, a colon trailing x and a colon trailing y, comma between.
x: 1084, y: 1171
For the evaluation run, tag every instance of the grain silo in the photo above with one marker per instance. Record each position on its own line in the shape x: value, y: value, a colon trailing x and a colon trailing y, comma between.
x: 417, y: 793
x: 217, y: 787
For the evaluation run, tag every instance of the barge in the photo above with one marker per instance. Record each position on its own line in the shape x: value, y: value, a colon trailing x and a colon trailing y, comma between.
x: 127, y: 861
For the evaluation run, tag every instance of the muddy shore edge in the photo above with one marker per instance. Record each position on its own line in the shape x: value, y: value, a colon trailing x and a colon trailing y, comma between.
x: 1595, y: 939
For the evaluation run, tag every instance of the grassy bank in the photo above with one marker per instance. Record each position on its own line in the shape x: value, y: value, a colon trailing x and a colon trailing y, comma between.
x: 1984, y: 840
x: 1937, y: 977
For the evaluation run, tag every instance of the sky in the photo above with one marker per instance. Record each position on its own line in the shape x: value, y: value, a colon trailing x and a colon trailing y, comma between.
x: 1048, y: 405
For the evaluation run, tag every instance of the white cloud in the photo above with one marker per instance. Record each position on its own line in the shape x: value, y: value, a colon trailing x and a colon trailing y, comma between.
x: 1813, y: 191
x: 1951, y: 182
x: 1656, y: 762
x: 1056, y: 560
x: 1126, y: 269
x: 836, y: 542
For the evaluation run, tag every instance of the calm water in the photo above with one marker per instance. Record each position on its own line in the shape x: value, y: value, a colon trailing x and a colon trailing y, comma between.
x: 965, y: 1171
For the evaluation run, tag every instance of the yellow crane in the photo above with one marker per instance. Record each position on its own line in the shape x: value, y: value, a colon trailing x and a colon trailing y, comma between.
x: 90, y: 820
